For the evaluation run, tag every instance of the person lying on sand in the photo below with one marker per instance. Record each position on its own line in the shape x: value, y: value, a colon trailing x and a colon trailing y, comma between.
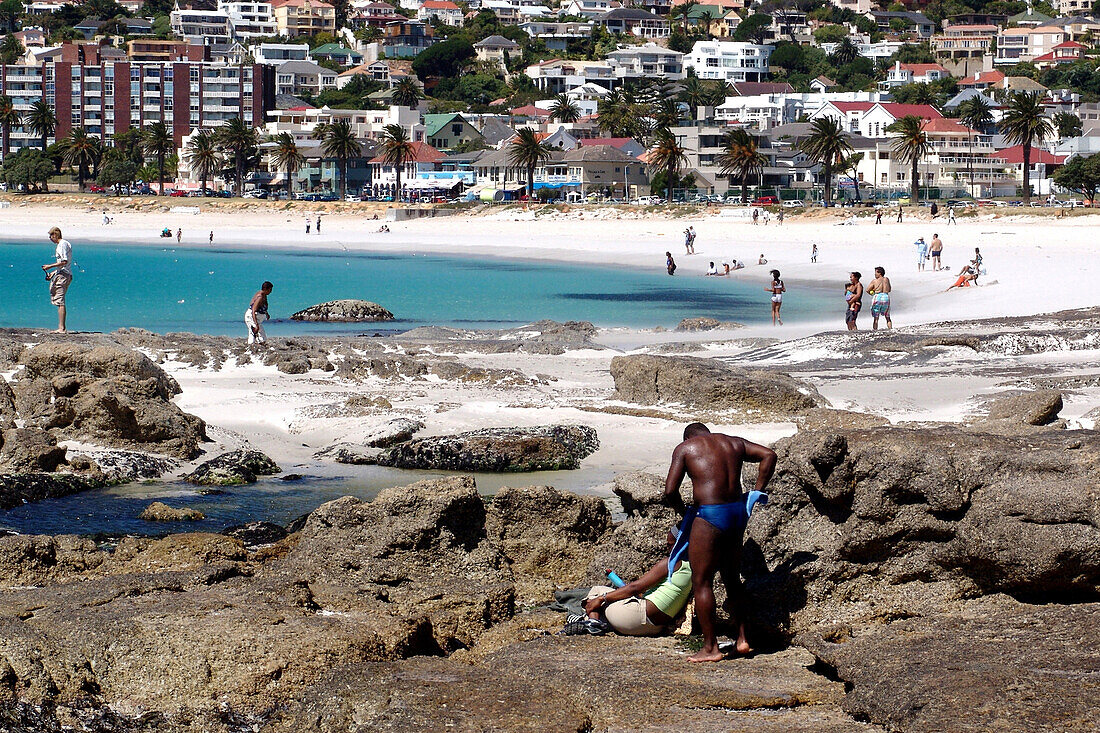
x: 648, y: 605
x: 713, y: 529
x: 967, y: 277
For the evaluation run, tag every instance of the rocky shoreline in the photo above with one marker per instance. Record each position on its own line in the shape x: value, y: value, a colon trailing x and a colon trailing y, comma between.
x: 919, y: 576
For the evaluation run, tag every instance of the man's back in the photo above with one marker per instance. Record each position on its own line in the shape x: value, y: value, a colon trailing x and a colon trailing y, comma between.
x: 713, y: 461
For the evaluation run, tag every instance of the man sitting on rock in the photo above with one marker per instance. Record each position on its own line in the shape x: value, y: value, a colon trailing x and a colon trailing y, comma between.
x: 713, y: 461
x: 648, y: 605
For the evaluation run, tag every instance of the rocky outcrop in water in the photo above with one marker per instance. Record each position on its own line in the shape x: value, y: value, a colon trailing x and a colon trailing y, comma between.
x: 25, y: 488
x: 161, y: 512
x: 500, y: 450
x: 344, y: 311
x: 708, y: 384
x: 233, y: 469
x: 107, y: 396
x: 370, y: 446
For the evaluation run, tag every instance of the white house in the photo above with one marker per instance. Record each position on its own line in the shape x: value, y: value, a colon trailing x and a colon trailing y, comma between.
x: 444, y: 11
x: 901, y: 74
x: 559, y: 75
x: 871, y: 119
x: 249, y: 18
x: 200, y: 26
x: 586, y: 8
x: 648, y: 61
x: 729, y: 61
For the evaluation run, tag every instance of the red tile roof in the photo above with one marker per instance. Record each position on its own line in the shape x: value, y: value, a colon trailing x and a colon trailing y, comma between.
x: 919, y: 69
x: 944, y: 124
x: 853, y: 106
x: 925, y: 111
x: 529, y: 110
x: 1071, y: 44
x: 614, y: 142
x: 986, y: 77
x: 1015, y: 155
x: 439, y: 5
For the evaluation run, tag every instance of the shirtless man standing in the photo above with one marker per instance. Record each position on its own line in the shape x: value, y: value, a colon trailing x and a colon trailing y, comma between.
x: 713, y: 461
x: 853, y: 294
x: 880, y: 298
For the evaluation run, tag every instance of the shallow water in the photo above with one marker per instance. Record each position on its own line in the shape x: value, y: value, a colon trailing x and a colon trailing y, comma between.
x: 164, y: 289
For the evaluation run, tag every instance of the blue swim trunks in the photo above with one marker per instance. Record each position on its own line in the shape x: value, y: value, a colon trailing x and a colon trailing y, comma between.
x: 733, y: 516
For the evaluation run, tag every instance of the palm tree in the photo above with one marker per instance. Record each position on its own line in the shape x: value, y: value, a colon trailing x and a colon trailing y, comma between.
x: 287, y: 156
x: 975, y: 113
x: 240, y: 142
x: 910, y: 145
x: 397, y: 150
x: 718, y: 93
x: 827, y: 144
x: 565, y: 109
x: 1024, y: 124
x: 338, y: 141
x: 850, y: 165
x: 157, y: 141
x: 667, y: 155
x: 694, y: 95
x: 845, y: 53
x: 406, y: 93
x: 666, y: 113
x: 683, y: 10
x: 82, y: 152
x: 613, y: 113
x: 203, y: 156
x: 740, y: 157
x: 42, y: 121
x: 528, y: 151
x: 9, y: 117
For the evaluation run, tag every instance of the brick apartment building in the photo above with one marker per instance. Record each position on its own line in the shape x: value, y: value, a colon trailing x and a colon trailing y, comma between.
x: 106, y: 97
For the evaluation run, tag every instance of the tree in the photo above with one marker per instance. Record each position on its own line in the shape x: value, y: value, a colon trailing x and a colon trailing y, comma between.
x: 682, y: 11
x: 1068, y: 125
x: 919, y: 93
x: 526, y: 150
x: 406, y: 93
x: 975, y: 113
x: 910, y: 145
x: 667, y: 156
x: 740, y: 158
x: 694, y: 95
x: 827, y: 144
x: 117, y: 170
x: 9, y: 117
x: 753, y: 28
x: 1025, y: 124
x: 1080, y: 174
x: 338, y: 141
x: 397, y: 150
x: 666, y: 113
x: 42, y: 121
x: 204, y: 157
x: 11, y: 49
x: 157, y: 142
x: 10, y: 10
x: 28, y: 168
x: 831, y: 34
x: 845, y: 53
x: 565, y: 109
x: 82, y: 152
x: 850, y: 165
x: 240, y: 142
x: 443, y: 59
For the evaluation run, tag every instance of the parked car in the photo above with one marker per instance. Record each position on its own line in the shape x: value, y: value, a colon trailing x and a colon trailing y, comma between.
x: 765, y: 201
x: 94, y: 188
x: 176, y: 193
x: 793, y: 204
x: 256, y: 193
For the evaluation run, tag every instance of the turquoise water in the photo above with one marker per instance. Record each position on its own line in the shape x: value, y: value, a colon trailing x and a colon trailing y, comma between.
x: 164, y: 289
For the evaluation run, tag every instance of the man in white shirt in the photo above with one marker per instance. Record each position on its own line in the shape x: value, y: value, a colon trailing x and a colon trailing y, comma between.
x: 61, y: 277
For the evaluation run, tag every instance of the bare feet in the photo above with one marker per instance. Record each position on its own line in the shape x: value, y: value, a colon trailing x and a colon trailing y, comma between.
x: 706, y: 656
x: 60, y: 330
x: 743, y: 647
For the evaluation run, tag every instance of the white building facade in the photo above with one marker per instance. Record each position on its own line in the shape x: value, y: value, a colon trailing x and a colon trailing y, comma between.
x: 729, y: 61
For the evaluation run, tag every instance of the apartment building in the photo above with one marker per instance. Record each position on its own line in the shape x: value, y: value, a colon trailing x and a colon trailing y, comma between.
x: 729, y: 61
x: 962, y: 48
x: 106, y: 97
x: 278, y: 54
x: 558, y: 76
x: 1015, y: 45
x: 249, y: 18
x: 371, y: 15
x: 444, y: 11
x: 366, y: 124
x: 916, y: 23
x: 200, y: 26
x: 767, y: 110
x: 295, y: 18
x: 634, y: 22
x: 557, y: 36
x: 299, y: 78
x: 157, y: 50
x: 406, y: 38
x: 648, y: 61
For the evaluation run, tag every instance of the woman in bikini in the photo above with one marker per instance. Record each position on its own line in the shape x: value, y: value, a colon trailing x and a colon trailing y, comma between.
x: 777, y: 288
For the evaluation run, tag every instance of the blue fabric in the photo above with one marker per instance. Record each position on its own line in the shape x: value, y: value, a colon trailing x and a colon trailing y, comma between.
x: 724, y: 517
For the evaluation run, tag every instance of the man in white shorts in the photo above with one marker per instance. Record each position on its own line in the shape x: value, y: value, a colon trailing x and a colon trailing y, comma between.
x: 256, y: 314
x: 61, y: 277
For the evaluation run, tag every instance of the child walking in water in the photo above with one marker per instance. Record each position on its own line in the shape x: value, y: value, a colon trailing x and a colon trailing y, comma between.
x: 777, y: 288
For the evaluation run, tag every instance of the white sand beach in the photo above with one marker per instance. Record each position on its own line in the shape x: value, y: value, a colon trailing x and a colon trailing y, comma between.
x: 1035, y: 264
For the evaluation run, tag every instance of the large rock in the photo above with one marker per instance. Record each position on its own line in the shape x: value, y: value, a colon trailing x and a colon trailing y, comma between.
x: 853, y: 514
x: 107, y: 396
x: 160, y: 512
x: 547, y: 536
x: 24, y: 450
x: 550, y: 448
x: 344, y: 311
x: 1013, y: 667
x: 25, y: 488
x: 233, y: 469
x: 7, y: 405
x: 708, y: 384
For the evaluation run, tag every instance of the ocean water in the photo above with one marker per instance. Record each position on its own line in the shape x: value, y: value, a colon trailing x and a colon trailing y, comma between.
x: 206, y: 290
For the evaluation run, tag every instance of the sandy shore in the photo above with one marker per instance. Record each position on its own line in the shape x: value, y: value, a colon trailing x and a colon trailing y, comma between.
x: 1036, y: 264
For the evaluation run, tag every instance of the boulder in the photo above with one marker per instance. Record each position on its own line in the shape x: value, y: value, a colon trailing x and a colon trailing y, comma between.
x: 59, y: 359
x: 1014, y: 666
x: 392, y: 432
x: 502, y: 450
x: 233, y: 469
x: 7, y: 405
x: 24, y: 488
x: 705, y: 324
x: 24, y: 450
x: 546, y: 535
x: 856, y: 513
x: 1040, y: 407
x: 256, y: 533
x: 161, y: 512
x: 344, y: 311
x: 350, y: 453
x: 708, y: 384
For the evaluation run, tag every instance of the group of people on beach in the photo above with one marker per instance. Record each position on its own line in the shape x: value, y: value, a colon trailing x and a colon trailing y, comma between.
x: 706, y: 542
x: 879, y: 292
